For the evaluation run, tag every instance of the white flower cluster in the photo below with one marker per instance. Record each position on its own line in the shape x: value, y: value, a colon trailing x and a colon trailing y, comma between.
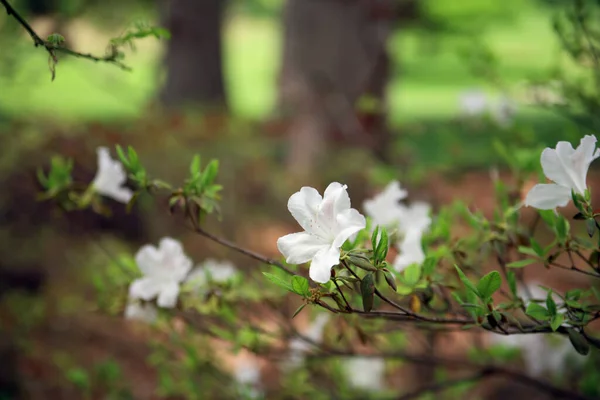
x: 111, y: 177
x: 164, y: 269
x: 540, y: 355
x: 475, y: 103
x: 410, y: 221
x: 329, y: 221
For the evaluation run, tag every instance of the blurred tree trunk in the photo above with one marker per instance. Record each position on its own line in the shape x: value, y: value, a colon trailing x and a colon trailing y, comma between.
x: 334, y: 54
x: 193, y: 58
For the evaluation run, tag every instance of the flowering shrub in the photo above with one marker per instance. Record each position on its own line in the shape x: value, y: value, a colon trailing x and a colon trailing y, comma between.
x: 374, y: 282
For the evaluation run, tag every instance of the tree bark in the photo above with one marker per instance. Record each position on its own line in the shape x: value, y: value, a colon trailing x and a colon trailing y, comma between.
x: 334, y: 53
x: 193, y: 59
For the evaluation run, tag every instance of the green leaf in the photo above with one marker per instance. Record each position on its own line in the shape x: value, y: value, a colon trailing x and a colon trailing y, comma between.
x: 195, y: 166
x: 122, y: 156
x: 512, y: 282
x: 466, y: 281
x: 298, y: 310
x: 579, y: 342
x: 549, y: 217
x: 429, y: 265
x: 279, y: 282
x: 391, y: 281
x: 361, y: 262
x: 539, y: 250
x: 300, y: 285
x: 562, y: 228
x: 210, y: 173
x: 596, y: 293
x: 367, y: 290
x: 521, y: 263
x: 412, y: 274
x: 557, y: 321
x: 374, y: 239
x: 488, y: 284
x: 550, y: 304
x: 382, y: 246
x: 527, y: 250
x: 590, y: 226
x: 538, y: 312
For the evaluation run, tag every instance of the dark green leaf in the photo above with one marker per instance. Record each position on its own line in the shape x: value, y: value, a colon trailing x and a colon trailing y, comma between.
x: 367, y: 290
x: 590, y: 226
x: 361, y: 262
x: 578, y: 341
x: 391, y: 281
x: 382, y: 246
x: 550, y: 304
x: 429, y: 265
x: 512, y: 282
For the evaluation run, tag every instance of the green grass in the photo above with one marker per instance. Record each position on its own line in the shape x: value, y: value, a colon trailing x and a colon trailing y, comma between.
x: 426, y: 85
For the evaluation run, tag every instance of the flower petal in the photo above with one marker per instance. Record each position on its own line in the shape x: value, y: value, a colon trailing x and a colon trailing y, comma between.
x: 148, y: 260
x: 348, y: 223
x: 557, y: 164
x: 110, y: 177
x: 415, y: 216
x: 320, y: 267
x: 298, y: 248
x: 581, y: 159
x: 175, y: 264
x: 141, y: 312
x: 145, y: 288
x: 411, y: 250
x: 304, y: 205
x: 168, y: 295
x: 548, y: 196
x: 335, y: 200
x: 384, y: 207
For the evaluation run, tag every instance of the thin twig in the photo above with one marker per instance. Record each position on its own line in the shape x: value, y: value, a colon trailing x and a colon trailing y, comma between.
x: 52, y: 48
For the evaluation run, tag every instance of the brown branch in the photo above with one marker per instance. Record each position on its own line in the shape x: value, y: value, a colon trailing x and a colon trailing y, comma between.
x: 445, y: 385
x: 52, y: 48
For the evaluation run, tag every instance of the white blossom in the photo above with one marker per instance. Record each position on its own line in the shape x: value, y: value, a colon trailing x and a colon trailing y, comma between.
x: 365, y: 372
x: 211, y: 271
x: 111, y: 177
x: 540, y: 353
x: 567, y: 168
x: 327, y: 221
x: 144, y: 312
x: 473, y: 102
x: 384, y: 208
x: 299, y: 347
x: 247, y: 373
x: 414, y: 217
x: 410, y: 250
x: 164, y: 268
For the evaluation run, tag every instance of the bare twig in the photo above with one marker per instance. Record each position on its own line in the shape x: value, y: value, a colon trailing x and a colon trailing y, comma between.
x: 52, y: 48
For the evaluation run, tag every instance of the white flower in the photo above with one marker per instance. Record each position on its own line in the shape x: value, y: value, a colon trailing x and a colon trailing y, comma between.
x: 411, y: 250
x: 164, y: 268
x: 327, y: 221
x: 384, y: 208
x: 473, y: 102
x: 567, y: 168
x: 110, y: 177
x: 540, y: 354
x: 299, y: 347
x: 145, y: 312
x: 211, y: 271
x: 414, y: 217
x: 365, y: 373
x: 504, y: 111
